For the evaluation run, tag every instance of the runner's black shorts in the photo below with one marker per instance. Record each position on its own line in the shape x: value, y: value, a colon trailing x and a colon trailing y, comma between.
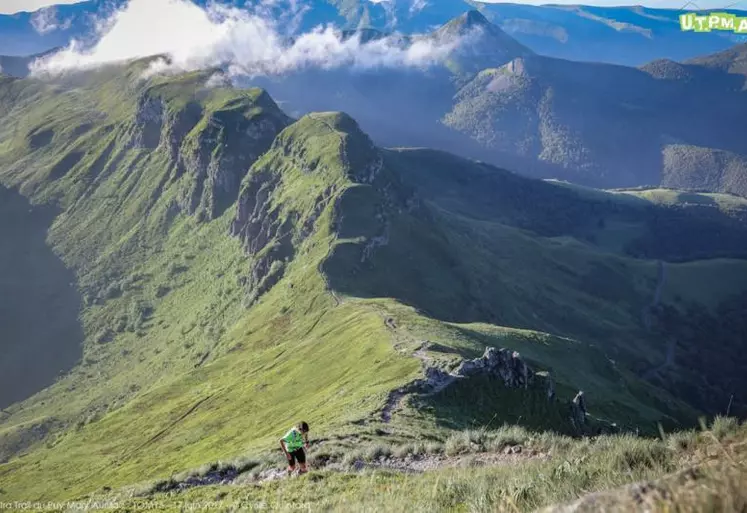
x: 297, y: 455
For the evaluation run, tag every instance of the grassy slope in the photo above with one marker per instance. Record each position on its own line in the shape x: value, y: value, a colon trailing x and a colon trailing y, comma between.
x: 481, y: 235
x: 177, y: 304
x: 176, y: 371
x: 703, y: 472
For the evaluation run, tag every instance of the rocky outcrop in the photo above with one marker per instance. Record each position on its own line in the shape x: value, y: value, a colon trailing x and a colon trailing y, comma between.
x: 503, y: 364
x: 578, y: 412
x: 264, y: 236
x: 176, y: 127
x: 500, y: 363
x: 218, y: 155
x: 149, y: 122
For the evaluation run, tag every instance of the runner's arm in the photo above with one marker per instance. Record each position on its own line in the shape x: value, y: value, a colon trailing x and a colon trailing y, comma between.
x: 285, y: 450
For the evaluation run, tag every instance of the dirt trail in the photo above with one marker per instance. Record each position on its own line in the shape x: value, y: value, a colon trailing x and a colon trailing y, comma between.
x: 433, y: 383
x: 412, y: 464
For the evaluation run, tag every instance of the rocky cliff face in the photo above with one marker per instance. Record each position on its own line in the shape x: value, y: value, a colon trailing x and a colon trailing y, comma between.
x: 341, y: 169
x: 210, y: 146
x: 149, y: 122
x: 263, y: 233
x: 503, y: 364
x: 219, y: 152
x: 512, y: 371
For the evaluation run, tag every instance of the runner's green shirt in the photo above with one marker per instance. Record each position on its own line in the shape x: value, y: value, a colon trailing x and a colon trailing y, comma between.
x: 293, y: 440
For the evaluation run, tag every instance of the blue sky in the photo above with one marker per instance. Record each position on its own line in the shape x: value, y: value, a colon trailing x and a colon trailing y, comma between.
x: 12, y: 6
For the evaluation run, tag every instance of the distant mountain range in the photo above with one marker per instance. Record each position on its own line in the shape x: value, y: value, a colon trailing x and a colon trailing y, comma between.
x: 630, y: 35
x: 603, y: 125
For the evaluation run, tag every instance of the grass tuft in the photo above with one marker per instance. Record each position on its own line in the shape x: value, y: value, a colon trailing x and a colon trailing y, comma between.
x: 723, y: 427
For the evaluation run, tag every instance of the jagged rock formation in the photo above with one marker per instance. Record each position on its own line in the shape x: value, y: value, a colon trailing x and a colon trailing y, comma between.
x: 149, y: 121
x: 504, y: 364
x: 513, y: 372
x: 498, y: 365
x: 264, y: 235
x: 501, y: 363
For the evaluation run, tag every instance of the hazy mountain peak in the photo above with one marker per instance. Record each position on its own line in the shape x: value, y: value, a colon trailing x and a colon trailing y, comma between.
x: 481, y: 44
x: 473, y: 18
x: 468, y: 22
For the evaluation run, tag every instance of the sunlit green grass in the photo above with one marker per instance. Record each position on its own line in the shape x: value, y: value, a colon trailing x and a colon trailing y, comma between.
x: 574, y: 469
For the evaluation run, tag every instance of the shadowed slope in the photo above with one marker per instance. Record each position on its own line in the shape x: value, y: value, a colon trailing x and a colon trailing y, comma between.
x: 41, y: 336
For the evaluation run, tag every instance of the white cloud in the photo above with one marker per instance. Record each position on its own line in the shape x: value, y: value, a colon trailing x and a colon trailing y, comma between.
x: 194, y: 37
x: 14, y: 6
x: 45, y: 21
x: 417, y: 6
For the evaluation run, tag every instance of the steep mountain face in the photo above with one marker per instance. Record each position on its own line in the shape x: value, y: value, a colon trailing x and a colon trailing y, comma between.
x: 232, y: 267
x: 573, y: 117
x: 211, y: 148
x: 278, y: 208
x: 607, y: 125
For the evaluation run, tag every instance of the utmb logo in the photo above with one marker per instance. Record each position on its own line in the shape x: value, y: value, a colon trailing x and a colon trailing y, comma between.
x: 713, y: 21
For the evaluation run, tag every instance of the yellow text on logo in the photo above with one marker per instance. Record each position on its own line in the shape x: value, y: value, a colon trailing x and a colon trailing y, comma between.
x: 713, y: 21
